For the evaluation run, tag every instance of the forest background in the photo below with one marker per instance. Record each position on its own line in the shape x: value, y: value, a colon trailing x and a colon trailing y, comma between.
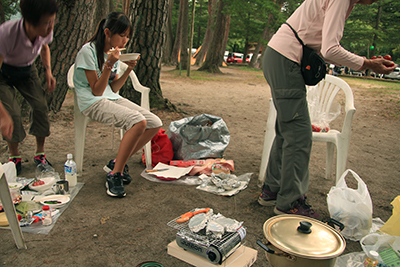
x: 164, y: 30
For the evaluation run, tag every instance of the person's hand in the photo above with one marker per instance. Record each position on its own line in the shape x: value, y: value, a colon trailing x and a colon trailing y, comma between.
x: 131, y: 63
x: 113, y: 56
x: 379, y: 65
x: 6, y: 126
x: 51, y: 83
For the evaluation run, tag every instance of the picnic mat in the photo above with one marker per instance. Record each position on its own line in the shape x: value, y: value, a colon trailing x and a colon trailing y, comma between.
x: 37, y: 227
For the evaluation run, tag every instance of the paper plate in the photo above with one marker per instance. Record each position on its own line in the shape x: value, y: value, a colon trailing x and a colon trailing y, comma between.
x: 51, y: 198
x: 48, y: 182
x: 128, y: 57
x: 13, y: 186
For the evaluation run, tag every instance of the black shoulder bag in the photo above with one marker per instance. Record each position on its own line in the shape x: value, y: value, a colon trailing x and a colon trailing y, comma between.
x: 313, y: 67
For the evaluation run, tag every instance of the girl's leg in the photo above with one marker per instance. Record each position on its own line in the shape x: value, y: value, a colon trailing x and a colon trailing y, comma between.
x: 146, y: 137
x: 128, y: 143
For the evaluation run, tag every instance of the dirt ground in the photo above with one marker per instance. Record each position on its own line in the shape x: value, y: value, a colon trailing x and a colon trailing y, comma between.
x: 134, y: 229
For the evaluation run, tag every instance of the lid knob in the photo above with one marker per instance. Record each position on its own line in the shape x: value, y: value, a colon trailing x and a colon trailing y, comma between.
x: 304, y: 227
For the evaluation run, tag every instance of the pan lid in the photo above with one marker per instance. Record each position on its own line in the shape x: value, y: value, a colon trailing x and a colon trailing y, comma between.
x: 304, y: 237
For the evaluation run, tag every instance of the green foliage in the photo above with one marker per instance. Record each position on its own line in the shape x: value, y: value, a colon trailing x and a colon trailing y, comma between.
x: 10, y: 8
x: 374, y: 25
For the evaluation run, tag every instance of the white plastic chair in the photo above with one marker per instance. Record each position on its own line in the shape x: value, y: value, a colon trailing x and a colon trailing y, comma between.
x: 327, y: 91
x: 9, y: 209
x: 81, y: 121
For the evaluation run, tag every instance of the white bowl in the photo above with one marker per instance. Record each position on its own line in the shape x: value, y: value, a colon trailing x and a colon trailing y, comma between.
x: 60, y: 198
x: 48, y: 183
x: 128, y: 57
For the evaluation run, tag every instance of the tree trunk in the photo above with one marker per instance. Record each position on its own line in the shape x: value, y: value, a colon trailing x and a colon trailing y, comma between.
x: 226, y: 34
x: 214, y: 57
x: 2, y: 15
x: 199, y: 26
x: 169, y: 42
x: 126, y: 7
x: 148, y: 19
x: 209, y: 33
x: 101, y: 11
x: 189, y: 62
x: 264, y: 34
x: 70, y: 33
x: 185, y: 35
x: 178, y: 35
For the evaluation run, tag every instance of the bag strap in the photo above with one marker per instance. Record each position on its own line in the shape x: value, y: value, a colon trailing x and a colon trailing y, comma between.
x: 295, y: 33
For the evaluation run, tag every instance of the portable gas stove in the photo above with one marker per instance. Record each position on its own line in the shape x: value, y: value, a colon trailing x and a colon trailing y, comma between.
x: 208, y: 246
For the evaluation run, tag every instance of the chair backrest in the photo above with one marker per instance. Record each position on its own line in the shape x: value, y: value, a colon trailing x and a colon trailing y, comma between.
x: 70, y: 76
x: 326, y: 93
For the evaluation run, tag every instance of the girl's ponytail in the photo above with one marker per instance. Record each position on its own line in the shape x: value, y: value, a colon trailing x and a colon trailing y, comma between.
x: 98, y: 40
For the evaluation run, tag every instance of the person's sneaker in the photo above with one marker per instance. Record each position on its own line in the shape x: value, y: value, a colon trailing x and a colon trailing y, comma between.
x: 126, y: 178
x: 41, y: 158
x: 267, y: 198
x: 114, y: 185
x: 301, y: 208
x: 17, y: 162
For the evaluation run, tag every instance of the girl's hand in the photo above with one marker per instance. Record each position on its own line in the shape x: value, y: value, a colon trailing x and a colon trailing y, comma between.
x: 113, y: 55
x: 132, y: 63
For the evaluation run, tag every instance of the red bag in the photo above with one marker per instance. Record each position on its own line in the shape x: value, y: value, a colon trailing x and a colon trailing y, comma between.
x: 161, y: 149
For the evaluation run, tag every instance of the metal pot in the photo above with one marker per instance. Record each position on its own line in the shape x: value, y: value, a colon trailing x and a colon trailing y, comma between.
x: 297, y: 241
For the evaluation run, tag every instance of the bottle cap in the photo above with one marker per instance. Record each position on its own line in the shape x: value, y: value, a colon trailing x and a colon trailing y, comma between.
x: 374, y: 254
x: 69, y: 156
x: 46, y: 207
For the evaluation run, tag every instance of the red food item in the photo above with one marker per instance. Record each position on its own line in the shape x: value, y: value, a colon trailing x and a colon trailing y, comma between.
x: 379, y: 56
x: 315, y: 128
x: 388, y: 57
x: 39, y: 182
x: 19, y: 217
x: 374, y: 57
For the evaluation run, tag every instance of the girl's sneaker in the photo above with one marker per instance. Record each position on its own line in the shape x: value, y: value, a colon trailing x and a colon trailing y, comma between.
x: 40, y: 158
x: 114, y: 185
x: 126, y: 178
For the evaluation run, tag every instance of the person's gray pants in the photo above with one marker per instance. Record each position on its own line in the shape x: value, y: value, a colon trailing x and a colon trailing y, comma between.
x: 287, y: 171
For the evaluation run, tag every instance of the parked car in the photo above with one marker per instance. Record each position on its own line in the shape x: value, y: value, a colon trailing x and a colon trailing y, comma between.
x: 237, y: 58
x: 226, y: 54
x: 394, y: 75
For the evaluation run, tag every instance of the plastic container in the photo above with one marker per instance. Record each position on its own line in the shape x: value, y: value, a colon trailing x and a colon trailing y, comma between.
x: 46, y: 215
x: 70, y: 171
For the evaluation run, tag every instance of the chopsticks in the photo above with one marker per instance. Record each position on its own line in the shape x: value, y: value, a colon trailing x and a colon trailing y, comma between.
x: 49, y: 198
x: 113, y: 49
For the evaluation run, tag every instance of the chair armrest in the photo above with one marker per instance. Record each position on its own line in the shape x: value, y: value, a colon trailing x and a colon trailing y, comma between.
x: 145, y: 91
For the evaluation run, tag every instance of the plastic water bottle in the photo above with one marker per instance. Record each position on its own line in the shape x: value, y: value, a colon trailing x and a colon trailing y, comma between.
x: 46, y: 215
x: 70, y: 171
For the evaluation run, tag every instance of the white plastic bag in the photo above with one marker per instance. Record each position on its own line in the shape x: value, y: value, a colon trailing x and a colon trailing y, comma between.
x: 352, y: 207
x: 378, y: 242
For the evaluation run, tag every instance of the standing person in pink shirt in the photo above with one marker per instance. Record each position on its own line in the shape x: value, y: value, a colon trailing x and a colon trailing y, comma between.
x: 21, y: 42
x: 320, y: 25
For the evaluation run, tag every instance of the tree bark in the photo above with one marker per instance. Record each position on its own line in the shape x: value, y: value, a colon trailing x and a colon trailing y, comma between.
x: 149, y: 22
x: 169, y: 42
x: 214, y: 57
x: 199, y: 25
x: 70, y: 33
x: 226, y: 34
x: 101, y: 12
x: 259, y: 45
x: 189, y: 59
x: 2, y: 15
x: 178, y: 35
x: 212, y: 4
x: 126, y: 7
x: 185, y: 35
